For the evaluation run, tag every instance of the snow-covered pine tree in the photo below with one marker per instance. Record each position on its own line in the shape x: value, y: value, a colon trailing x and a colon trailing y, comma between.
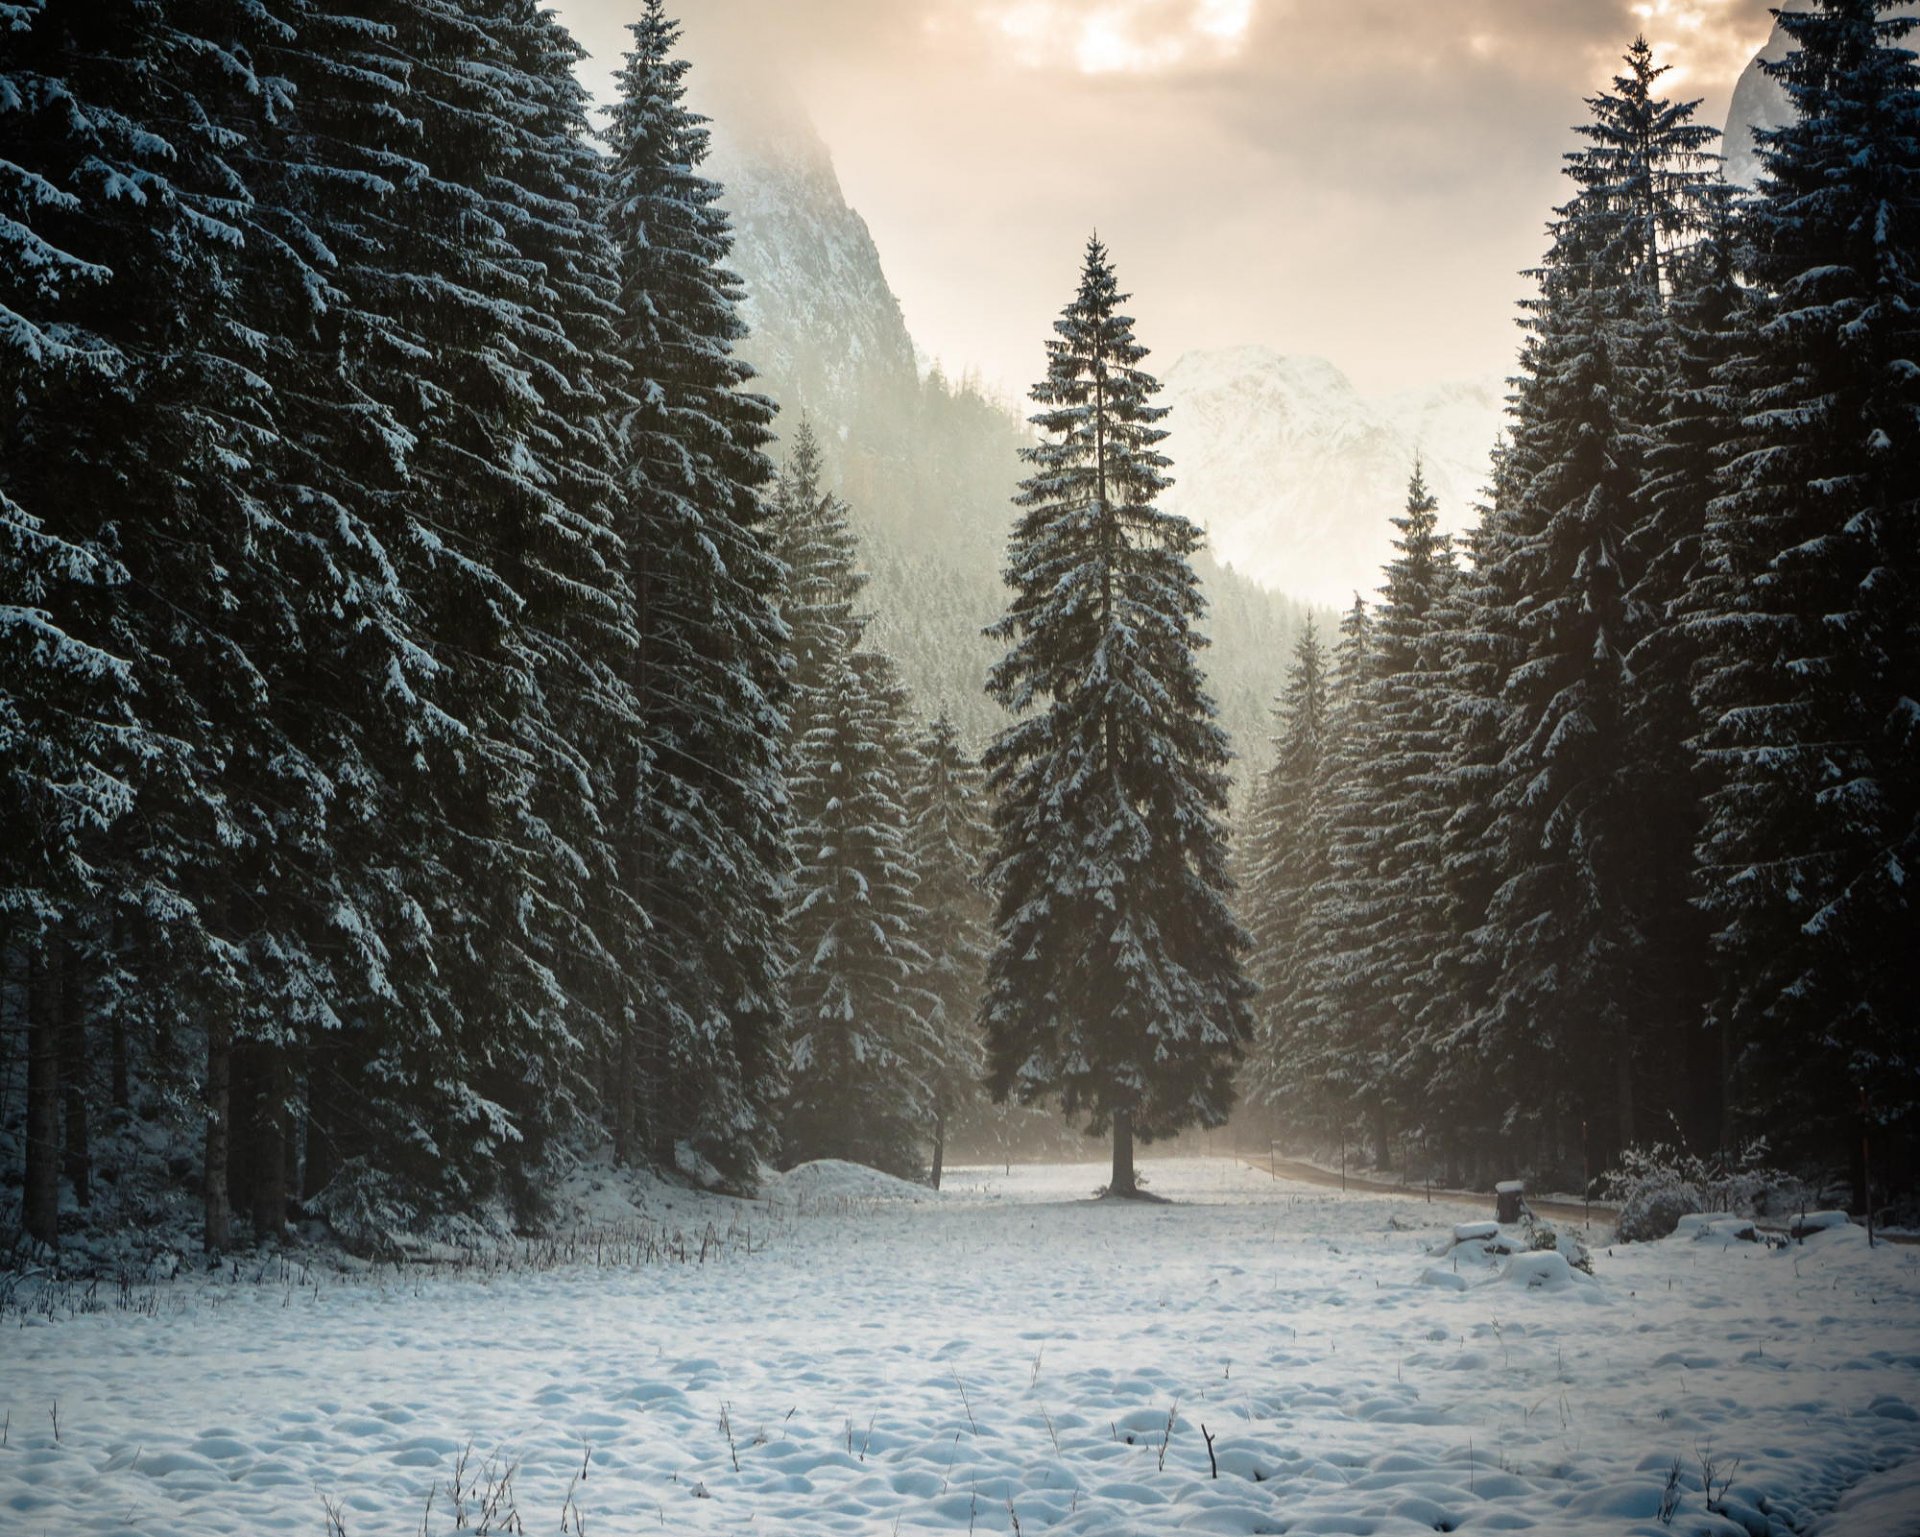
x: 450, y: 1078
x: 1325, y: 1073
x: 1478, y: 651
x: 1568, y: 923
x: 814, y: 540
x: 865, y: 1052
x: 1115, y: 982
x: 1287, y: 861
x: 1382, y: 901
x: 1697, y: 422
x: 138, y: 429
x: 712, y: 853
x: 1810, y: 844
x: 949, y: 834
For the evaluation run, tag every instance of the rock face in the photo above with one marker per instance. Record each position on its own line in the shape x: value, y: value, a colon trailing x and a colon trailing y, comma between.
x: 1295, y: 474
x: 827, y: 330
x: 1758, y: 102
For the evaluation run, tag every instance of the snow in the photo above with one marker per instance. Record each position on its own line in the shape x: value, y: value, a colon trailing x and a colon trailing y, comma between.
x: 1818, y: 1222
x: 858, y: 1355
x: 1294, y: 474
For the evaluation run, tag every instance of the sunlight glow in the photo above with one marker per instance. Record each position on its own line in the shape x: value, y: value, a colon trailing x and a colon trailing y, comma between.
x: 1120, y: 36
x: 1700, y: 39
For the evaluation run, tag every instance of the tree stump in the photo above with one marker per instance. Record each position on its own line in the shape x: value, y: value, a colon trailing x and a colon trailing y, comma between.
x: 1509, y: 1199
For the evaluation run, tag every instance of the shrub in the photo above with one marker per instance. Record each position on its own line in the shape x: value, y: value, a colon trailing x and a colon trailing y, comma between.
x: 1658, y: 1185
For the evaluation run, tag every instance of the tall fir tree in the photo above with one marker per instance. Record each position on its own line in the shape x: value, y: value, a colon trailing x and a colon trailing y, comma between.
x: 865, y: 1050
x: 946, y: 812
x: 1287, y: 861
x: 1115, y: 982
x: 1324, y: 1066
x: 814, y: 541
x: 1573, y: 1001
x: 711, y: 852
x: 1382, y: 901
x: 1811, y: 839
x: 1693, y: 431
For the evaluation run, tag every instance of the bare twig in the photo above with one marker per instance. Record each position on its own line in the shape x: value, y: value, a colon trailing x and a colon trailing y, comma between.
x: 964, y: 1404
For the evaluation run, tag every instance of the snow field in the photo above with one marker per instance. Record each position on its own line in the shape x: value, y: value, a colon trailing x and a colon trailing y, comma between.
x: 1008, y: 1352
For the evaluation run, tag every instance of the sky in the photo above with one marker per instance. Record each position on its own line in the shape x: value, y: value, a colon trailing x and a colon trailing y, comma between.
x: 1359, y: 179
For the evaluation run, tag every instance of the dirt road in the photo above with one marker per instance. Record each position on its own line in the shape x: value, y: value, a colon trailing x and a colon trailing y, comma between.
x: 1308, y: 1174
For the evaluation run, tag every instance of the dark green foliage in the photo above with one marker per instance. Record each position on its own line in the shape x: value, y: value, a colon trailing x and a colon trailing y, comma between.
x: 1813, y: 551
x: 711, y: 848
x: 866, y: 1056
x: 947, y: 813
x: 1115, y: 982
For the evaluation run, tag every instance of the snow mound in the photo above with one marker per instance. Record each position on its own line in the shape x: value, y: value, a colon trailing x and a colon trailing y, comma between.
x: 1818, y: 1222
x: 834, y: 1179
x: 1717, y: 1226
x: 1544, y: 1270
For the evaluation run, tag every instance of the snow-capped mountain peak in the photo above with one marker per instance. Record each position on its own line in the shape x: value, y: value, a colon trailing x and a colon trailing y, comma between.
x: 1295, y: 474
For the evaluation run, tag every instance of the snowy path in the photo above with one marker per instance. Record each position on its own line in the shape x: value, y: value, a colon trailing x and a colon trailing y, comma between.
x: 1006, y: 1352
x: 1595, y: 1213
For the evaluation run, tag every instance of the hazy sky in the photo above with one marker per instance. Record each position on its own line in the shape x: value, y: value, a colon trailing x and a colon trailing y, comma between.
x: 1360, y: 179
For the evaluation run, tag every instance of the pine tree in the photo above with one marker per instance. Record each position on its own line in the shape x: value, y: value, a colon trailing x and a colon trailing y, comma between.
x: 1568, y: 924
x: 1811, y: 837
x: 814, y: 541
x: 865, y: 1048
x: 712, y: 853
x: 1324, y: 1063
x: 1692, y: 434
x: 1287, y: 860
x: 138, y: 429
x: 1115, y: 982
x: 949, y: 838
x: 1382, y: 898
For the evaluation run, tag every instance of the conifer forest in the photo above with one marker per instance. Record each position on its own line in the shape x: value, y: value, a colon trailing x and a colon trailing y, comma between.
x: 462, y: 717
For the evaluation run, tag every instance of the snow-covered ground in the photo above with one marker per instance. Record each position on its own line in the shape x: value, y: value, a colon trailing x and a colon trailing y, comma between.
x: 1007, y: 1352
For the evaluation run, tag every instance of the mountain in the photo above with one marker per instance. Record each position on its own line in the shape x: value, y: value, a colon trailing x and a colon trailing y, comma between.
x: 827, y: 330
x: 1758, y: 102
x: 1295, y: 474
x: 928, y: 466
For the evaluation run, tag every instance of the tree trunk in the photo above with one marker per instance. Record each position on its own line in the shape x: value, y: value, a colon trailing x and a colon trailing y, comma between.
x: 1623, y: 1091
x: 122, y: 1097
x: 267, y: 1190
x: 241, y: 1126
x: 623, y: 1069
x: 939, y: 1144
x: 42, y: 1195
x: 323, y: 1158
x: 78, y: 1159
x: 218, y: 1214
x: 1123, y: 1182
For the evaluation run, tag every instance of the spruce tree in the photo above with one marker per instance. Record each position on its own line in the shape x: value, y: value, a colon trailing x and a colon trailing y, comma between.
x: 947, y: 814
x: 1697, y: 422
x: 1575, y: 1000
x: 814, y: 540
x: 711, y: 852
x: 1810, y: 843
x: 1115, y: 982
x: 1383, y: 900
x: 865, y: 1050
x: 1324, y: 1058
x: 1287, y: 861
x: 148, y: 547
